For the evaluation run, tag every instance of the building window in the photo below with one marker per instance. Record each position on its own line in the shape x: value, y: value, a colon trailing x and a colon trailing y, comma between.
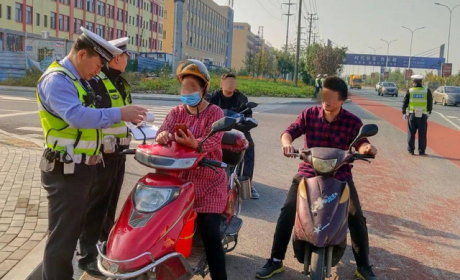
x: 126, y: 17
x: 161, y: 46
x: 37, y: 19
x: 161, y: 29
x: 77, y: 23
x: 67, y: 2
x: 100, y: 30
x: 1, y: 13
x: 18, y: 12
x: 110, y: 11
x: 45, y: 21
x: 100, y: 8
x: 29, y: 19
x: 110, y: 33
x: 137, y: 40
x: 78, y: 4
x: 8, y: 12
x: 120, y: 14
x: 14, y: 43
x: 53, y: 20
x: 90, y: 6
x: 61, y: 22
x: 89, y: 26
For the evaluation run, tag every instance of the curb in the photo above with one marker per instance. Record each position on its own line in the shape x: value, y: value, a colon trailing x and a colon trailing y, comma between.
x: 176, y: 98
x: 37, y: 142
x: 30, y: 267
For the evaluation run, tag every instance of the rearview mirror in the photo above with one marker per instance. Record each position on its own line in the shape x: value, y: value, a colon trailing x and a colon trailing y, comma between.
x: 367, y: 130
x: 224, y: 124
x: 251, y: 105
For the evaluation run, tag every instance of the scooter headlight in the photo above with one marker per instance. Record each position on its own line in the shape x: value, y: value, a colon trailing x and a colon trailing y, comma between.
x: 324, y: 165
x: 149, y: 199
x: 164, y: 162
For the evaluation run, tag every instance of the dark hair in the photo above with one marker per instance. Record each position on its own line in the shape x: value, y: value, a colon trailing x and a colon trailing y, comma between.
x: 80, y: 45
x: 335, y: 83
x: 228, y: 75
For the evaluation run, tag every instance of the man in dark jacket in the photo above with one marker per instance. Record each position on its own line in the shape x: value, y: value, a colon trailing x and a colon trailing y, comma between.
x: 228, y: 97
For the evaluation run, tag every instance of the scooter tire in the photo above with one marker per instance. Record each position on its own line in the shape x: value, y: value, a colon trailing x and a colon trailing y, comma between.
x: 318, y: 264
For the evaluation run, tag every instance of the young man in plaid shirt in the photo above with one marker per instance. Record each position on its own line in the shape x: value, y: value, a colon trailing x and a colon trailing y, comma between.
x: 327, y: 126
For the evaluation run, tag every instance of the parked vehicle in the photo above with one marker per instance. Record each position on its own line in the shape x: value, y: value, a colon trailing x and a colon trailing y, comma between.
x: 155, y: 236
x: 447, y: 95
x: 356, y: 81
x: 388, y: 88
x: 320, y: 236
x: 378, y: 85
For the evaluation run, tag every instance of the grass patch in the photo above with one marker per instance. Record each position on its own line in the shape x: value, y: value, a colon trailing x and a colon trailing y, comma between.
x: 249, y: 85
x: 29, y: 80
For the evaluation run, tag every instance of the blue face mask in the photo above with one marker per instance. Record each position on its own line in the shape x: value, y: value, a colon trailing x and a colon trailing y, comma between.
x: 191, y: 99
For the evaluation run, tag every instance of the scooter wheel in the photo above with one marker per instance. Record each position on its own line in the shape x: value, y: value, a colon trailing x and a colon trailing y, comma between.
x: 318, y: 264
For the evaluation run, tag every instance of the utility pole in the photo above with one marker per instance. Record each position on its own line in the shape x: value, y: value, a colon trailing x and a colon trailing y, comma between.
x: 296, y: 68
x: 288, y: 16
x: 450, y: 24
x: 310, y: 20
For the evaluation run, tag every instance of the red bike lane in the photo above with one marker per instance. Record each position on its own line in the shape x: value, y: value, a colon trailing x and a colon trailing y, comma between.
x: 412, y: 203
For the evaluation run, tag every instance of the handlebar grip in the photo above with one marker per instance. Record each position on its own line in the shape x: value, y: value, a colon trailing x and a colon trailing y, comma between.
x: 128, y: 152
x: 364, y: 156
x: 214, y: 163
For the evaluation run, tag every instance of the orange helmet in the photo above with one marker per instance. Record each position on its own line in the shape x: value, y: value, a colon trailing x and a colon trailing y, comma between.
x: 195, y: 68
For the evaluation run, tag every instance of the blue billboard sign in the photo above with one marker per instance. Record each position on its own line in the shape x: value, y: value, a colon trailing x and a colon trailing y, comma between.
x: 394, y: 61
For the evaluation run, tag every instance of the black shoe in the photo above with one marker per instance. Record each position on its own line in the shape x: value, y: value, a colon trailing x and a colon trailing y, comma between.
x: 411, y: 152
x: 365, y: 273
x: 254, y: 193
x: 422, y: 154
x: 270, y: 269
x: 90, y: 268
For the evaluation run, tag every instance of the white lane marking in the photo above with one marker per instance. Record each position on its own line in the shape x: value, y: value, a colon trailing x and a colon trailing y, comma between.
x: 452, y: 117
x: 38, y: 129
x: 7, y: 97
x: 7, y: 110
x: 451, y: 122
x: 18, y: 114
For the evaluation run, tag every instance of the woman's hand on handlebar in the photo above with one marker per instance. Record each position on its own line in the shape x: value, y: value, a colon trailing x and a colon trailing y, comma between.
x: 164, y: 138
x: 368, y: 149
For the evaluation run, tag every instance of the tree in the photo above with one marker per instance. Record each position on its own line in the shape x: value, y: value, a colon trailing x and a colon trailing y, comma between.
x: 249, y: 63
x: 285, y: 62
x: 328, y: 60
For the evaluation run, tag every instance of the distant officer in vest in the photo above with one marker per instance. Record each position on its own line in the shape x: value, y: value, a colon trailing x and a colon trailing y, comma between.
x: 417, y: 106
x: 317, y: 85
x: 323, y: 79
x: 112, y: 91
x: 72, y: 128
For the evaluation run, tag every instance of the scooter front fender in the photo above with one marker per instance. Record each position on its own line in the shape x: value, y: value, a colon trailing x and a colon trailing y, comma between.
x: 322, y: 211
x: 136, y: 233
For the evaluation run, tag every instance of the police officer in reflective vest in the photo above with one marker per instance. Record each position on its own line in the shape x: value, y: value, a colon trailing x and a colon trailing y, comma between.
x: 72, y: 129
x: 318, y: 84
x: 112, y: 91
x: 417, y: 106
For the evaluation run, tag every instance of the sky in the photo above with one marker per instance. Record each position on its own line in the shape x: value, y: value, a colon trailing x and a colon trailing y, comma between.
x: 360, y: 24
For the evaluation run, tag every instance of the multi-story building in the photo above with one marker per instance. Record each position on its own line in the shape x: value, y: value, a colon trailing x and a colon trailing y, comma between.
x: 244, y: 42
x: 207, y: 31
x: 140, y: 20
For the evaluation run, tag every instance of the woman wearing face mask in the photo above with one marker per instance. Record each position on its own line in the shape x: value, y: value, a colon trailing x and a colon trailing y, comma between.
x: 210, y: 186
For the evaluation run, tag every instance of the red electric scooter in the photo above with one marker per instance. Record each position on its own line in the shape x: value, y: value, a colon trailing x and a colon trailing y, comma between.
x: 154, y: 237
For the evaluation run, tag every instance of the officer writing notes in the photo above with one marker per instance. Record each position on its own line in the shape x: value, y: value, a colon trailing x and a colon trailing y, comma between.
x: 72, y: 127
x: 417, y: 106
x: 112, y: 91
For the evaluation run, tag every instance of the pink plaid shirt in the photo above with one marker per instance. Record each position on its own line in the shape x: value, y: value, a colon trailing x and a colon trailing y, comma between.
x: 210, y: 187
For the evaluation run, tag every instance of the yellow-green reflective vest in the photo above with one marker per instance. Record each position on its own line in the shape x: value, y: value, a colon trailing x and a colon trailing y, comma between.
x: 57, y: 132
x: 418, y: 99
x: 119, y: 130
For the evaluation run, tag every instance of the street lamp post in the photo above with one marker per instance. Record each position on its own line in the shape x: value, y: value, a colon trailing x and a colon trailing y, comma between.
x: 388, y: 49
x: 375, y: 52
x: 411, y: 38
x: 450, y: 24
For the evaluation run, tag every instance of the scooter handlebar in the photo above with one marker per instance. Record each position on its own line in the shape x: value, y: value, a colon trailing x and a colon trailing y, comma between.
x: 128, y: 152
x: 213, y: 163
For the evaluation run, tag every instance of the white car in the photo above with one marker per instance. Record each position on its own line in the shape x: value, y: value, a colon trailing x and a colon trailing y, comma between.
x: 378, y: 86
